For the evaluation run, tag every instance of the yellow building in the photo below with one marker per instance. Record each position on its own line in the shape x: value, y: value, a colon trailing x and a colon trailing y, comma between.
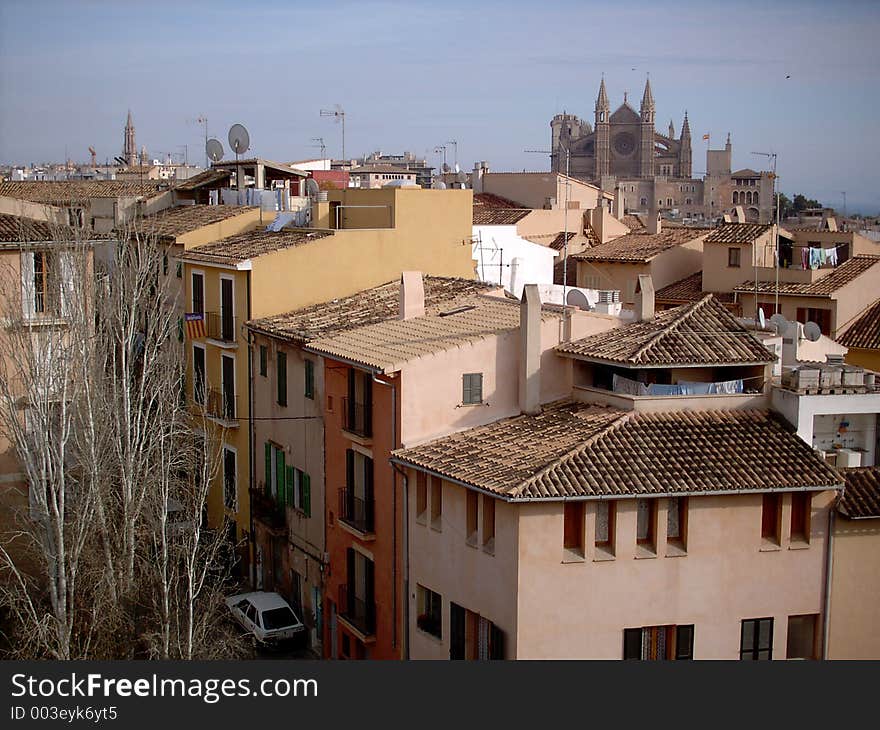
x: 863, y: 339
x: 360, y: 239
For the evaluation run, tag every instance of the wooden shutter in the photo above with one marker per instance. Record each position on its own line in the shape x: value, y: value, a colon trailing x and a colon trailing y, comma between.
x: 279, y: 475
x: 306, y: 494
x: 268, y: 484
x: 684, y: 642
x: 289, y: 495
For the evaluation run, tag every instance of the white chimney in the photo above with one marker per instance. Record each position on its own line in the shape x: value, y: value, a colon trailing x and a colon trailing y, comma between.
x: 653, y: 222
x: 515, y: 285
x: 619, y: 207
x: 739, y: 215
x: 644, y: 298
x: 412, y: 295
x: 530, y: 351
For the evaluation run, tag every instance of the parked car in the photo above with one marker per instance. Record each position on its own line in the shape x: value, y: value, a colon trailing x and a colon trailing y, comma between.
x: 266, y: 616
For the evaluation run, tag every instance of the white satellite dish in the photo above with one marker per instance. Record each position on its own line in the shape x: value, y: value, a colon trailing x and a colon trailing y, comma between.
x: 812, y: 331
x: 239, y: 139
x: 214, y: 149
x: 761, y: 320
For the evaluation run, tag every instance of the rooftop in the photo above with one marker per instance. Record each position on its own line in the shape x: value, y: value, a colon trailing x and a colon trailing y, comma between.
x: 385, y: 346
x: 737, y: 233
x: 861, y: 495
x: 17, y: 230
x: 825, y: 286
x: 185, y: 218
x: 865, y: 331
x: 490, y: 200
x: 689, y: 289
x: 244, y: 246
x: 575, y: 450
x: 62, y: 192
x: 364, y: 308
x: 208, y: 177
x: 499, y: 216
x: 253, y: 161
x: 366, y: 169
x: 702, y: 333
x: 639, y: 247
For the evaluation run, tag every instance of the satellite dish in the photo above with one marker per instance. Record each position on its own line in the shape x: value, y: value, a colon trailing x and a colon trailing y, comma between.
x: 239, y: 139
x: 577, y: 298
x: 812, y: 331
x: 439, y: 185
x: 214, y: 149
x: 312, y: 188
x: 779, y: 322
x: 761, y: 320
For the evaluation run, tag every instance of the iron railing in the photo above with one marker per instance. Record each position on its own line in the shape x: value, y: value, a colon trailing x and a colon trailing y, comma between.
x: 220, y: 326
x: 356, y: 611
x: 356, y: 511
x: 221, y: 404
x: 357, y: 417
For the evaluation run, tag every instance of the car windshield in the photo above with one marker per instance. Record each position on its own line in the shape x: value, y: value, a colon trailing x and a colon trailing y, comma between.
x: 278, y: 618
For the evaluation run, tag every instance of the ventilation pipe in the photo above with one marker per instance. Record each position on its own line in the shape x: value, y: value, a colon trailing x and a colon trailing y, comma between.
x: 412, y: 295
x: 530, y: 351
x: 644, y: 299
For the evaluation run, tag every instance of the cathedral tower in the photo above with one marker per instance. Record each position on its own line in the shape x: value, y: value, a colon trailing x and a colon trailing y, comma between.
x: 603, y: 133
x: 684, y: 155
x: 646, y: 137
x: 129, y: 149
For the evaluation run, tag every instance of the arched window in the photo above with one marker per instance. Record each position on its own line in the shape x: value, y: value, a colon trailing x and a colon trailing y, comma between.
x: 669, y: 202
x: 643, y: 201
x: 735, y: 197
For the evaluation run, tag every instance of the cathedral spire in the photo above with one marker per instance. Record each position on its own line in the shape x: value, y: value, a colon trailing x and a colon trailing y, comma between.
x: 647, y: 97
x: 685, y: 127
x: 602, y: 99
x: 671, y: 130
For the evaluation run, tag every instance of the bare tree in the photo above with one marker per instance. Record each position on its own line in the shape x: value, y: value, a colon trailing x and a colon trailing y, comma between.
x: 114, y: 558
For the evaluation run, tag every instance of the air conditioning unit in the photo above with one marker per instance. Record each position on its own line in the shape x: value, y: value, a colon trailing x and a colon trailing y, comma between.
x: 848, y: 458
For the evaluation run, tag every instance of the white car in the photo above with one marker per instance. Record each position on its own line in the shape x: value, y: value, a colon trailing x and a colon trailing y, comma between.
x: 265, y: 615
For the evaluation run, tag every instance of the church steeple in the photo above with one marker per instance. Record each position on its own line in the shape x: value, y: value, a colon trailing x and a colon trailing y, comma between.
x: 671, y: 130
x: 646, y: 133
x: 603, y: 134
x: 602, y: 104
x: 684, y: 155
x: 648, y: 101
x: 685, y: 128
x: 129, y: 149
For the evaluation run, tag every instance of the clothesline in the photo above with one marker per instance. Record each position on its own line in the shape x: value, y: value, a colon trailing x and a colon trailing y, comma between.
x: 813, y: 258
x: 621, y: 384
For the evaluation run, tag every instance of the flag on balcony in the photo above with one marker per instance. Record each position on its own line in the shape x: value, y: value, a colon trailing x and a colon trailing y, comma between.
x: 195, y: 325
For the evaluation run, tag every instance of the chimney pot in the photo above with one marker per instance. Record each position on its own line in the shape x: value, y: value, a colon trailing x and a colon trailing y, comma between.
x: 412, y: 295
x: 645, y: 299
x: 530, y: 351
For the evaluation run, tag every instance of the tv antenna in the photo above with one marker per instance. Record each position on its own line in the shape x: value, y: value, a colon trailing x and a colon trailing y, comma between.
x: 320, y: 141
x: 437, y: 150
x: 339, y: 115
x: 454, y: 144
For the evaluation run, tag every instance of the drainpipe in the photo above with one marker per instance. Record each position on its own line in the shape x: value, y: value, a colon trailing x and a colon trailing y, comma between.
x: 252, y: 550
x: 394, y: 510
x: 829, y: 564
x: 405, y: 559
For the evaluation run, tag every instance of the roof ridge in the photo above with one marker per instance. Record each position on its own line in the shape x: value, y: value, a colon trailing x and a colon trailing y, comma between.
x: 686, y: 315
x: 571, y: 453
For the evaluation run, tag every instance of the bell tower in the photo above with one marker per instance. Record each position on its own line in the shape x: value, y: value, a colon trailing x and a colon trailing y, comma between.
x: 646, y: 136
x: 603, y: 133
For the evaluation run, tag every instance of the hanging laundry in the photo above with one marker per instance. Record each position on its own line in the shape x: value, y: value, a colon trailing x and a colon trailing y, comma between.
x: 805, y: 258
x: 814, y: 258
x: 832, y: 256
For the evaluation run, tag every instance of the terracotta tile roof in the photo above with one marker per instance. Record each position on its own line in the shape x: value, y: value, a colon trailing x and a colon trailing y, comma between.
x: 639, y: 247
x: 633, y: 222
x: 702, y: 333
x: 561, y: 239
x: 367, y: 307
x: 208, y: 177
x: 61, y: 192
x: 689, y: 289
x: 499, y: 216
x: 386, y: 346
x: 577, y: 450
x: 490, y: 200
x: 185, y: 218
x: 844, y: 274
x: 244, y: 246
x: 861, y: 494
x: 865, y: 331
x: 17, y: 230
x: 737, y: 233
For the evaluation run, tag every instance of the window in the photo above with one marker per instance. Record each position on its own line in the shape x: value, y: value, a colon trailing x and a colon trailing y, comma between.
x: 646, y: 523
x: 573, y: 531
x: 281, y: 378
x: 275, y: 484
x: 802, y: 637
x: 659, y: 642
x: 473, y: 503
x: 310, y: 378
x: 733, y: 258
x: 358, y: 408
x: 472, y: 388
x: 436, y: 502
x: 421, y: 497
x: 604, y: 540
x: 357, y: 601
x: 771, y: 518
x: 44, y: 299
x: 198, y: 293
x: 264, y: 360
x: 199, y: 375
x: 230, y: 498
x: 676, y: 522
x: 488, y: 524
x: 800, y: 516
x: 357, y: 505
x: 756, y: 639
x: 430, y: 612
x: 472, y: 636
x: 821, y: 317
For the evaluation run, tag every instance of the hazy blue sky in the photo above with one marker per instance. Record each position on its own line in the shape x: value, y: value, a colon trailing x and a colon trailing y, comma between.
x: 413, y: 75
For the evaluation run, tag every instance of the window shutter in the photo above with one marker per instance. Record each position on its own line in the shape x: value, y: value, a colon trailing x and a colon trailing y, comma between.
x: 288, y: 497
x: 279, y: 475
x: 27, y: 284
x: 307, y: 494
x: 477, y: 388
x: 65, y: 285
x: 268, y: 484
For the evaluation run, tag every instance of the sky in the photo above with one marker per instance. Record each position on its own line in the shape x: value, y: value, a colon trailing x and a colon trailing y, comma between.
x: 796, y: 78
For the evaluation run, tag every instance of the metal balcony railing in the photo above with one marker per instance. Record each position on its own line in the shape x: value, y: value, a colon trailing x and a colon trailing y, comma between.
x: 220, y: 326
x: 221, y: 405
x: 356, y: 511
x: 356, y: 611
x: 267, y: 510
x: 357, y: 417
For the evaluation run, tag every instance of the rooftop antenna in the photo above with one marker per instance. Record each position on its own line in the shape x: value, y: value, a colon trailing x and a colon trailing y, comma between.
x: 320, y: 141
x: 454, y: 144
x: 240, y: 141
x: 339, y: 116
x: 441, y: 148
x: 202, y: 119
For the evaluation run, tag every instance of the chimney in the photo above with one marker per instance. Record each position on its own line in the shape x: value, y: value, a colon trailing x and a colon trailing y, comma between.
x: 530, y: 351
x: 653, y: 223
x: 644, y: 299
x: 412, y: 295
x: 739, y: 215
x: 599, y: 220
x: 619, y: 207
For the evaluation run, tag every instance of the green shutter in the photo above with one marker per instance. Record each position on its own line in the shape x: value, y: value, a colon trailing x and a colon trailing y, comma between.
x: 307, y: 494
x: 268, y: 484
x: 289, y: 498
x: 279, y: 475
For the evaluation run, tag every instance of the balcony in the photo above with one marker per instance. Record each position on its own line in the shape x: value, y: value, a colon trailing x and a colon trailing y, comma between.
x: 223, y: 407
x: 356, y: 512
x: 356, y: 612
x: 221, y: 328
x: 357, y: 418
x: 271, y: 514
